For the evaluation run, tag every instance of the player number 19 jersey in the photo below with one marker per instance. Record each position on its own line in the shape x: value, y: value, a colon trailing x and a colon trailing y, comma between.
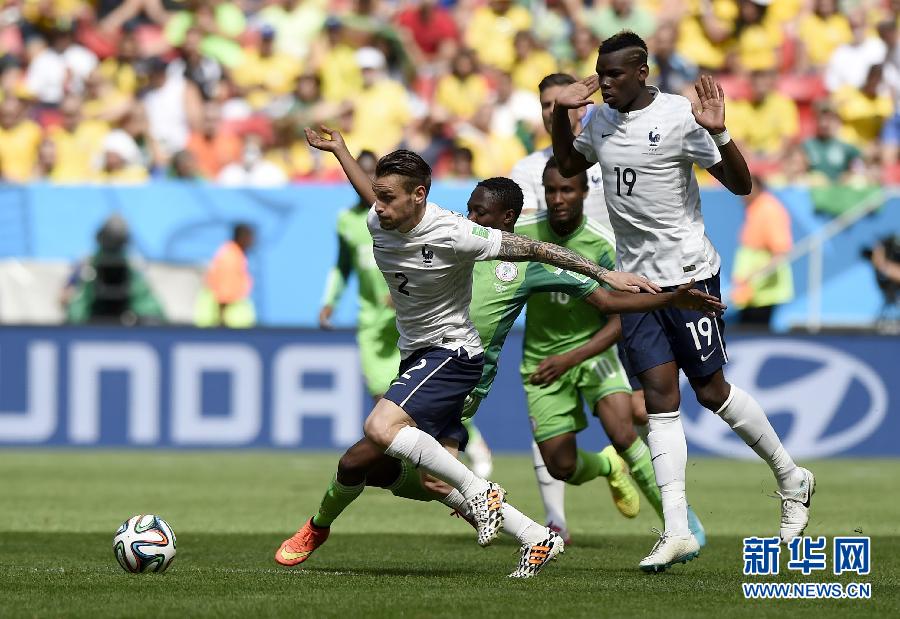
x: 647, y: 157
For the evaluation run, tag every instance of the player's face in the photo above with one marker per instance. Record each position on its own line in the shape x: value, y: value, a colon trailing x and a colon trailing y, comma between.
x: 487, y: 211
x: 394, y: 204
x: 622, y: 77
x: 564, y: 196
x: 548, y: 99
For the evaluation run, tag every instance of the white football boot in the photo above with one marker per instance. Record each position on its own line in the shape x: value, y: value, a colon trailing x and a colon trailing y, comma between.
x: 536, y: 556
x: 486, y: 508
x: 669, y: 550
x: 480, y: 457
x: 795, y: 507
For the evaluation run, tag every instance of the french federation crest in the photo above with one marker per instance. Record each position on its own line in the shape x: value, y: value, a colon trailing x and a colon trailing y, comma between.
x: 506, y: 271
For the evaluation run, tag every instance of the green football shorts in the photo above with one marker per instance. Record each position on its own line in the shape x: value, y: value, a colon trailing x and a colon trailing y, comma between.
x: 558, y: 408
x: 379, y: 355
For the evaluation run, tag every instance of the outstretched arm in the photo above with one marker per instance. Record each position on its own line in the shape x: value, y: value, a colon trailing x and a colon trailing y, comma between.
x: 334, y: 143
x: 573, y: 96
x: 732, y: 171
x: 685, y: 297
x: 518, y: 248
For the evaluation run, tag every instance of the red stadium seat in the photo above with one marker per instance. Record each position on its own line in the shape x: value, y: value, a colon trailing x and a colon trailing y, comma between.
x: 735, y: 86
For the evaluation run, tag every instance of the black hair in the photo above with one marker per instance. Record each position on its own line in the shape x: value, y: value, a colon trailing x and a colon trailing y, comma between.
x: 625, y: 39
x: 366, y: 154
x: 240, y: 230
x: 505, y: 190
x: 556, y: 79
x: 464, y: 152
x: 407, y: 164
x: 553, y: 165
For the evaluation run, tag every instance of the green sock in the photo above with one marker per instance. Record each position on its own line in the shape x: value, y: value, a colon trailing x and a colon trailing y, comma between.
x: 409, y: 484
x: 472, y: 429
x: 590, y: 465
x: 336, y: 499
x: 638, y: 458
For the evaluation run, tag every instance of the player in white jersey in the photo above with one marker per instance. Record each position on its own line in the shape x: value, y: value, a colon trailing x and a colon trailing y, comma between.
x: 529, y: 171
x: 426, y: 255
x: 647, y: 143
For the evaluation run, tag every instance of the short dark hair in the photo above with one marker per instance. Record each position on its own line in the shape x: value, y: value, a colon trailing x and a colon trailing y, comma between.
x: 506, y: 191
x: 624, y: 39
x: 240, y: 230
x: 367, y: 154
x: 556, y: 79
x: 552, y: 164
x: 407, y: 164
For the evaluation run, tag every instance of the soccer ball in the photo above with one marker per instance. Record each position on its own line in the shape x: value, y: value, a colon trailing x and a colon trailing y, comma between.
x: 144, y: 543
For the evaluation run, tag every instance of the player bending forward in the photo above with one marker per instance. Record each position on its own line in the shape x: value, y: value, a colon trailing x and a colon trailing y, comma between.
x: 426, y: 255
x: 500, y: 290
x: 647, y: 142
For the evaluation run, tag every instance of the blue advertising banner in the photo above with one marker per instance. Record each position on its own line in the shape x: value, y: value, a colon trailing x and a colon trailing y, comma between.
x: 173, y: 388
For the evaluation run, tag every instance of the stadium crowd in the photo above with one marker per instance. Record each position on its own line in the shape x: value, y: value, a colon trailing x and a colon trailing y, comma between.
x: 122, y: 91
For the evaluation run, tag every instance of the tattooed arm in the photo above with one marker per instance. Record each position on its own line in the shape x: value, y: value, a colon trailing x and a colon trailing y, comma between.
x: 518, y: 248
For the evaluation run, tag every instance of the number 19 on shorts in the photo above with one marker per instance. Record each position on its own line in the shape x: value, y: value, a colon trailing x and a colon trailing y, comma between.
x: 702, y: 329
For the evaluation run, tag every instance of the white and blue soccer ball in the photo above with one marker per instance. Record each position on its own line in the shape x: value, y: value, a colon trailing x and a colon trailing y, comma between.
x: 144, y: 543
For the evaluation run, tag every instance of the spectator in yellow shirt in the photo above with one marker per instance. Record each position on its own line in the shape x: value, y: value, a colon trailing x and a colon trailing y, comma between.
x: 264, y: 72
x: 758, y: 37
x: 461, y: 92
x: 532, y: 63
x: 820, y: 33
x: 19, y: 140
x: 335, y: 62
x: 864, y: 110
x: 584, y: 50
x: 121, y: 160
x: 766, y: 123
x: 492, y: 29
x: 78, y: 143
x: 494, y: 154
x: 382, y: 107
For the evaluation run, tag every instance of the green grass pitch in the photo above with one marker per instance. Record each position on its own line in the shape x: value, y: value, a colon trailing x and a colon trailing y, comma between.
x: 389, y: 557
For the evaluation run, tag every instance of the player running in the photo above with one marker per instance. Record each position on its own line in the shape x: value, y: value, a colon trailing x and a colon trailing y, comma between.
x: 647, y: 143
x: 426, y: 255
x: 569, y: 358
x: 376, y: 332
x: 499, y: 292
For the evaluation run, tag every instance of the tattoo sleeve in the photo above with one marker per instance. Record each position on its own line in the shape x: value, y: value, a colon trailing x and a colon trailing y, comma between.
x: 516, y: 247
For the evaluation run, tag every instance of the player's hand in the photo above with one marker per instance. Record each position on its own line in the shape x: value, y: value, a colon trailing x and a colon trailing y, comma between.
x: 710, y: 111
x: 333, y: 143
x: 630, y: 282
x: 689, y: 298
x: 325, y: 317
x: 578, y: 94
x: 550, y: 369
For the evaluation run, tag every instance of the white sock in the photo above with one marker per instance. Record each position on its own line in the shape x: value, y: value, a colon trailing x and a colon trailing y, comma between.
x: 520, y: 526
x: 455, y: 500
x: 425, y: 453
x: 747, y: 419
x: 553, y: 491
x: 668, y: 449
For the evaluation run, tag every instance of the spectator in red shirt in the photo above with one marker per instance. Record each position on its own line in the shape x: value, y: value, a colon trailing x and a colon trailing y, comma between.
x: 432, y: 28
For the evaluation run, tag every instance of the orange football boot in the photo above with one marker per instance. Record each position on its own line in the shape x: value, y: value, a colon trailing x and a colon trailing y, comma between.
x: 301, y: 545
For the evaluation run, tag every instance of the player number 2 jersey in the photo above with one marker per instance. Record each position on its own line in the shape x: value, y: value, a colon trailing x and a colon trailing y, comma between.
x: 647, y: 158
x: 429, y: 273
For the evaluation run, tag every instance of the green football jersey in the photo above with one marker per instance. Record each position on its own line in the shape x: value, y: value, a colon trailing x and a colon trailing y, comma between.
x: 355, y: 254
x: 500, y: 291
x: 555, y: 323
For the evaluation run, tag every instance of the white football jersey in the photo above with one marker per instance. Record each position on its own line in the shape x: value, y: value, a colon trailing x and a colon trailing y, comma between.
x: 429, y: 273
x: 529, y: 175
x: 647, y: 158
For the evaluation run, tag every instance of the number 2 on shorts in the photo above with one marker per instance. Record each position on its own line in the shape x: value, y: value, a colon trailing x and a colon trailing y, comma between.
x: 703, y: 328
x: 418, y: 366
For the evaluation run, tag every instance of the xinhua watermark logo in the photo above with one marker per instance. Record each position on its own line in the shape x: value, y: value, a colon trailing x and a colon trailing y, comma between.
x: 808, y: 555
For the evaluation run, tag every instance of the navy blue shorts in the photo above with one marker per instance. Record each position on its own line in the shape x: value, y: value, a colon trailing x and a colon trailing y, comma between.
x: 633, y: 382
x: 432, y: 386
x: 696, y: 343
